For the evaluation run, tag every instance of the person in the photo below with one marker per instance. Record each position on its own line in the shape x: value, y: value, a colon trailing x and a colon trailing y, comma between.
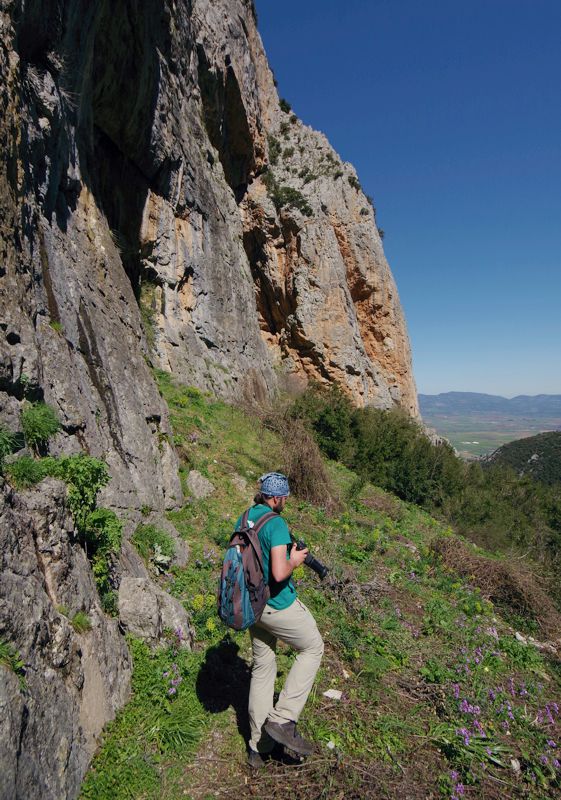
x: 284, y: 617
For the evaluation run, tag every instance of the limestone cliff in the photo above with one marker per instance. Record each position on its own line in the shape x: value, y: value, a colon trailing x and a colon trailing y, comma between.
x: 157, y: 208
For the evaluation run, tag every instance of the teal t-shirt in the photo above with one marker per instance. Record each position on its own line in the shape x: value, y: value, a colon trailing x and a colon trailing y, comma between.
x: 273, y: 533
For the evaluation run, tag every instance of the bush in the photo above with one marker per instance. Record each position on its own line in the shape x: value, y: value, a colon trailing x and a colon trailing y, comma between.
x: 274, y: 150
x: 39, y: 422
x: 285, y: 106
x: 329, y: 412
x: 354, y: 182
x: 286, y: 195
x: 302, y: 462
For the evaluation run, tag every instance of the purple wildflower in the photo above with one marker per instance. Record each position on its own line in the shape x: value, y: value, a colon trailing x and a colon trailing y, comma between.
x: 556, y: 763
x: 551, y: 743
x: 465, y: 734
x: 492, y: 694
x: 172, y: 690
x: 543, y: 759
x: 456, y: 688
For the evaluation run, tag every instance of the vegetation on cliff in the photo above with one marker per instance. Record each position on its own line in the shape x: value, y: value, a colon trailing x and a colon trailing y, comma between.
x: 428, y: 637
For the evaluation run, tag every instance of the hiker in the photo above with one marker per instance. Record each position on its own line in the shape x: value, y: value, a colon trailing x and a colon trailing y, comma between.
x: 284, y: 617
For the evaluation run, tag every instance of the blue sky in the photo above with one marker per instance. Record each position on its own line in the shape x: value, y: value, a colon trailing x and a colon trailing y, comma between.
x: 451, y: 112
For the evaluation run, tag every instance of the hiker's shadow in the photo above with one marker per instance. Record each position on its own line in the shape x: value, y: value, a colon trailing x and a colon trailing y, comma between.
x: 223, y: 681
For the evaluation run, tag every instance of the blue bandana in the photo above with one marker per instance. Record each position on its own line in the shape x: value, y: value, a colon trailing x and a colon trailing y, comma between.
x: 274, y: 484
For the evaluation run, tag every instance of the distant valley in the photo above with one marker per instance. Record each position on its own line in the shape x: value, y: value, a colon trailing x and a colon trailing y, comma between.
x: 477, y: 424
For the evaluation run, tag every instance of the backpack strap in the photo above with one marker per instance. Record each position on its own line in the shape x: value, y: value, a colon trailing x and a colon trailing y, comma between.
x: 255, y: 529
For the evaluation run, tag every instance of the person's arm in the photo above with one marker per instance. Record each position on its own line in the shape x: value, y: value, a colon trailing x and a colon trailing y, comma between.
x: 283, y: 567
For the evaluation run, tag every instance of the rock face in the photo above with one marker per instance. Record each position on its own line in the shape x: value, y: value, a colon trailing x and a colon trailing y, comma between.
x: 153, y: 142
x: 158, y: 208
x: 74, y: 682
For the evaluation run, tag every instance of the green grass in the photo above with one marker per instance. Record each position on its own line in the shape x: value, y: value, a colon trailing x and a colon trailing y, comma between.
x: 81, y: 622
x: 163, y: 720
x: 155, y: 546
x: 437, y: 690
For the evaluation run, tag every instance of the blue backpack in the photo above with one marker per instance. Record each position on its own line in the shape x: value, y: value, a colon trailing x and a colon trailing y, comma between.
x: 243, y: 591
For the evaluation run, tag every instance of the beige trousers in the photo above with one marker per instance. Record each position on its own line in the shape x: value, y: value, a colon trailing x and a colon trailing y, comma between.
x: 296, y: 626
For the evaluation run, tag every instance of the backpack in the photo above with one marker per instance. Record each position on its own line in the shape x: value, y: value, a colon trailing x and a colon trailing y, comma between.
x: 243, y: 591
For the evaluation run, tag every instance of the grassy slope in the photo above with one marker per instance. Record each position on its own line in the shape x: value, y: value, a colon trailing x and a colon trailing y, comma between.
x: 439, y: 697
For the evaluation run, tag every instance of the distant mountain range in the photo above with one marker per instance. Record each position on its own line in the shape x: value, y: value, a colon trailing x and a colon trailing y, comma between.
x: 462, y: 403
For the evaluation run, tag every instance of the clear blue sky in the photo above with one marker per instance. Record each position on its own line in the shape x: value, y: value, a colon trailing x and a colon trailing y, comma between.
x: 451, y: 112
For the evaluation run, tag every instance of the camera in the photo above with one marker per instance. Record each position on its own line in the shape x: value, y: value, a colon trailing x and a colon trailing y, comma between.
x: 312, y: 562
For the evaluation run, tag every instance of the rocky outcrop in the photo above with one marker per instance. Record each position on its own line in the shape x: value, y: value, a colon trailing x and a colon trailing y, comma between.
x: 150, y: 613
x: 139, y: 178
x: 73, y: 682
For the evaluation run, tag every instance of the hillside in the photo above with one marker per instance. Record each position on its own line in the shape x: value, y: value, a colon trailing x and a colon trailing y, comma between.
x: 426, y: 638
x: 537, y: 456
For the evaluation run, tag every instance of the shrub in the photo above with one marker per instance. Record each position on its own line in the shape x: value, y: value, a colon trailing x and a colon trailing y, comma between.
x: 510, y: 586
x: 288, y: 152
x: 329, y: 412
x: 286, y: 195
x: 154, y: 545
x: 302, y: 462
x: 354, y: 182
x: 285, y: 106
x: 39, y: 422
x: 274, y: 150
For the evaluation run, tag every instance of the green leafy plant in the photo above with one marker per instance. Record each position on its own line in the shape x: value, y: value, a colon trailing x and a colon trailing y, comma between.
x: 285, y: 106
x: 40, y: 423
x: 10, y: 657
x: 85, y: 476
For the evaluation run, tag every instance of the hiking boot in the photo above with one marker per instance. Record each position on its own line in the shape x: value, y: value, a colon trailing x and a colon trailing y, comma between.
x: 287, y: 735
x: 255, y: 760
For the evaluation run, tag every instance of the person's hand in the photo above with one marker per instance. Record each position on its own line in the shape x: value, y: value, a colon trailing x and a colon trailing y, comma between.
x: 297, y: 557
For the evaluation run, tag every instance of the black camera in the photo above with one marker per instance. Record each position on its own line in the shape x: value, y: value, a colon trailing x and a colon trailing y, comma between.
x: 312, y: 562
